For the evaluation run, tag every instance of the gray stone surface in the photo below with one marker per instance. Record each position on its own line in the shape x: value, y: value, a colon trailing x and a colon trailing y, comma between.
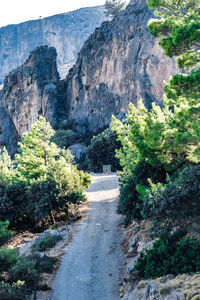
x: 28, y: 93
x: 56, y: 234
x: 27, y: 248
x: 120, y: 63
x: 67, y: 32
x: 78, y: 151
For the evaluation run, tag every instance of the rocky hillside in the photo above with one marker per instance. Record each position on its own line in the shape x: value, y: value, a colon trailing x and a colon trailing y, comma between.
x: 119, y: 63
x: 66, y: 32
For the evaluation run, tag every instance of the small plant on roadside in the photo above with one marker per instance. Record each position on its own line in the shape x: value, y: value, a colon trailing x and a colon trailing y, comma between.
x: 47, y: 242
x: 24, y: 270
x: 14, y: 291
x: 47, y: 264
x: 8, y: 258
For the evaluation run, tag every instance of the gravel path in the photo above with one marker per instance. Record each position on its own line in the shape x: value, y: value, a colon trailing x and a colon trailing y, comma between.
x: 91, y: 267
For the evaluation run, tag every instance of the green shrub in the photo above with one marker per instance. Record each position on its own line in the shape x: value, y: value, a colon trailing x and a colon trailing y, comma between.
x: 12, y: 201
x: 132, y: 188
x: 42, y: 176
x: 101, y: 151
x: 170, y: 254
x: 47, y: 264
x: 176, y: 200
x: 5, y: 234
x: 63, y: 138
x: 76, y: 198
x: 46, y: 242
x: 8, y: 258
x: 43, y: 197
x: 129, y: 202
x: 144, y: 171
x: 24, y: 270
x: 14, y: 291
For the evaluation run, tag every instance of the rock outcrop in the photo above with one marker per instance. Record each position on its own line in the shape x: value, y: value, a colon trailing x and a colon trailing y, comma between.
x: 66, y: 32
x: 120, y: 63
x: 29, y: 92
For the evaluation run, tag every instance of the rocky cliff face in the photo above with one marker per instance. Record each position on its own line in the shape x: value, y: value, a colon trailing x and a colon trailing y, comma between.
x: 66, y: 32
x: 120, y: 63
x: 29, y: 92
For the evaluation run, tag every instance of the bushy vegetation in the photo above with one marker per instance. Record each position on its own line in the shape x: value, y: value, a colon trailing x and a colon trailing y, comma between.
x: 178, y: 29
x: 41, y: 183
x: 170, y: 254
x: 177, y: 199
x: 40, y: 180
x: 101, y: 151
x: 14, y: 291
x: 63, y: 138
x: 25, y: 271
x: 46, y: 242
x: 47, y: 264
x: 132, y: 188
x: 8, y: 258
x: 167, y: 138
x: 160, y: 151
x: 5, y: 234
x: 20, y: 276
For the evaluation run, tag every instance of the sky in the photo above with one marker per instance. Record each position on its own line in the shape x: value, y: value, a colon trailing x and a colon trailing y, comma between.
x: 17, y: 11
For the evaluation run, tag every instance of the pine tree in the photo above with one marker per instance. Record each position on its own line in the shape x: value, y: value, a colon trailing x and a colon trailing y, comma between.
x: 7, y: 171
x: 178, y: 26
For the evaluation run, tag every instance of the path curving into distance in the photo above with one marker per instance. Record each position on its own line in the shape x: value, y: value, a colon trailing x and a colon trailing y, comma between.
x: 92, y: 265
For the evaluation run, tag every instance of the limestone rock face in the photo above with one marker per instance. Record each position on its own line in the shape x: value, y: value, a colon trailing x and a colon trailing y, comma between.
x: 120, y: 63
x: 29, y: 92
x: 66, y: 32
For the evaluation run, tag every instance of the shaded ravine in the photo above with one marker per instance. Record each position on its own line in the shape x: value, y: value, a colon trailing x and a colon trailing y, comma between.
x: 92, y: 265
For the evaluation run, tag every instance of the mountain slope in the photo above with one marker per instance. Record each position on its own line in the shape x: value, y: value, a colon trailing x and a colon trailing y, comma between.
x: 120, y: 63
x: 66, y: 32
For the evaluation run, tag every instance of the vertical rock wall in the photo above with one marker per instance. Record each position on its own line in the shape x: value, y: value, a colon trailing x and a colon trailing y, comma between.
x: 120, y: 63
x: 29, y: 92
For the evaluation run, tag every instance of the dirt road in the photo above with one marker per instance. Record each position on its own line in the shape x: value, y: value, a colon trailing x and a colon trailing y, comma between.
x: 91, y: 267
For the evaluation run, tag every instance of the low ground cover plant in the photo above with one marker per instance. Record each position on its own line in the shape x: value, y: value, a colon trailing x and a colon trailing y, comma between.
x: 47, y: 242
